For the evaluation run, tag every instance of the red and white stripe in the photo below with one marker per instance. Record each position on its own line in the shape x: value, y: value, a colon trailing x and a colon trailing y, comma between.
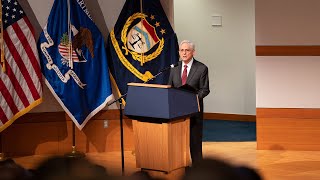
x: 64, y: 51
x: 20, y: 84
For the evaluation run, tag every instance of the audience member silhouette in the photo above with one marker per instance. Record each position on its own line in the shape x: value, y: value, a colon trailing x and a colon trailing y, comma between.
x: 63, y: 168
x: 142, y: 175
x: 9, y: 170
x: 215, y: 169
x: 210, y: 169
x: 247, y: 173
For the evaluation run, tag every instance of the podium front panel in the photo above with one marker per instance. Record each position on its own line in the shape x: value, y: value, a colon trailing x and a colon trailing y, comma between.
x: 182, y: 103
x: 147, y: 102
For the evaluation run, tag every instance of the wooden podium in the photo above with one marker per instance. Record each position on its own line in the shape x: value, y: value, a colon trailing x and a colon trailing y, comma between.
x: 161, y: 125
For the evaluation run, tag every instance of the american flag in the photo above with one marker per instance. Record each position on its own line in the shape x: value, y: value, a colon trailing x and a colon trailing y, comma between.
x: 20, y: 83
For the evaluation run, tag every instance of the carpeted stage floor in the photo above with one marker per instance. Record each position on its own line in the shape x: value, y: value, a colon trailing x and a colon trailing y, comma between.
x: 228, y: 131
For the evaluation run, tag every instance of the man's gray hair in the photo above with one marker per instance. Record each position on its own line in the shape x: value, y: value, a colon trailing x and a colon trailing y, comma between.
x: 188, y: 42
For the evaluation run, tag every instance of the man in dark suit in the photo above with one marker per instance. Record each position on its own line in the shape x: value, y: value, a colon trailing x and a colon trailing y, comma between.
x: 194, y: 73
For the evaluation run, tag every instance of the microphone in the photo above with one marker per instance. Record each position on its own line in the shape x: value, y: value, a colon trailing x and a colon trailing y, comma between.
x: 161, y: 71
x: 169, y: 67
x: 174, y: 65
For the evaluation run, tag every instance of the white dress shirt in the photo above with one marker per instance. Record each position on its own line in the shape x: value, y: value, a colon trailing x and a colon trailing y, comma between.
x: 189, y: 67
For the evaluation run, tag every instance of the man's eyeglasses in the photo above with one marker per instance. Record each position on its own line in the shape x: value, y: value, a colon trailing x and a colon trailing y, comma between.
x: 185, y: 50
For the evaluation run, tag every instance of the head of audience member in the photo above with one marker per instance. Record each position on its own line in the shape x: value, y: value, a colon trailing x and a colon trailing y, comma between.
x: 63, y: 168
x: 247, y: 173
x: 140, y: 175
x: 9, y: 170
x: 210, y: 169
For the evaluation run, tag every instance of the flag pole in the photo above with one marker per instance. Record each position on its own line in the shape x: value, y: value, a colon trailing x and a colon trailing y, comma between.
x: 70, y: 49
x: 74, y: 153
x: 2, y: 61
x: 141, y: 24
x: 2, y: 156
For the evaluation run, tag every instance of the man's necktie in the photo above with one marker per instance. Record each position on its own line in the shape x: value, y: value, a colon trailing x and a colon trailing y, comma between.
x: 184, y: 75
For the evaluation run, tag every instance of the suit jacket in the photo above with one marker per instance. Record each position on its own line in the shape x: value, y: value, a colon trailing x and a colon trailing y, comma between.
x: 198, y: 78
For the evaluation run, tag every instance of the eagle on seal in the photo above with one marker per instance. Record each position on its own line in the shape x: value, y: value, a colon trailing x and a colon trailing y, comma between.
x: 83, y: 37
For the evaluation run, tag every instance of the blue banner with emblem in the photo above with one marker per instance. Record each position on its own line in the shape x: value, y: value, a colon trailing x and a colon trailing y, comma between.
x: 74, y: 61
x: 141, y: 44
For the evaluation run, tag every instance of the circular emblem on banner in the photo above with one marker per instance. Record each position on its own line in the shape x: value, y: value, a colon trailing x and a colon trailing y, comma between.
x: 140, y: 39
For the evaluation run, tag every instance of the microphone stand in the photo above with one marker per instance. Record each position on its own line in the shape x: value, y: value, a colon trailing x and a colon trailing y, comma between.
x: 121, y: 129
x: 121, y: 116
x: 160, y: 72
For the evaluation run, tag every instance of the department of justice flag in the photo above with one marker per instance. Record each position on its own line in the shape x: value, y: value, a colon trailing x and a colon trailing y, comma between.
x: 74, y: 62
x: 20, y: 73
x: 141, y: 44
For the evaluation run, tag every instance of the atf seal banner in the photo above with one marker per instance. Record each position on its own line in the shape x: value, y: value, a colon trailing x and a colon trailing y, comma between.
x: 141, y: 44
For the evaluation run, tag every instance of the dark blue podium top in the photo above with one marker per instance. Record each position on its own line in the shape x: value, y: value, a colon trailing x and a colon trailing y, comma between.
x: 145, y: 101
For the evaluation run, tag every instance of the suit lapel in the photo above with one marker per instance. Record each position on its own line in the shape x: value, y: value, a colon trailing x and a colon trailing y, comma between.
x: 192, y: 70
x: 179, y: 73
